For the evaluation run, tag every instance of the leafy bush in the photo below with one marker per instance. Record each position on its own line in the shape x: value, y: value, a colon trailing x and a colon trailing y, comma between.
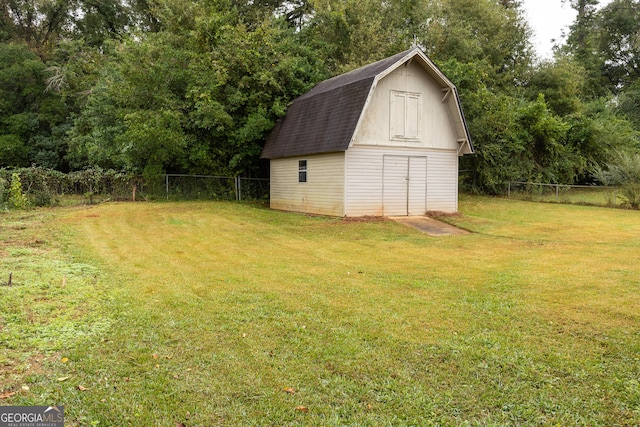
x: 44, y: 187
x: 17, y: 198
x: 3, y: 193
x: 625, y: 172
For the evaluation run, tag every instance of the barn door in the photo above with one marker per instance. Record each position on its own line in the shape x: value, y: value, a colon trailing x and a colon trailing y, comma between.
x: 394, y: 185
x: 404, y: 180
x: 417, y: 199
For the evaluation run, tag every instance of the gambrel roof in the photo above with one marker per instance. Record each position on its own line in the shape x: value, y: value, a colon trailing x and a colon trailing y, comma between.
x: 326, y: 118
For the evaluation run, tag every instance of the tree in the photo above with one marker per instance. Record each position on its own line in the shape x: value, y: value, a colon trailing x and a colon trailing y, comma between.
x: 606, y: 42
x: 629, y: 104
x: 619, y: 43
x: 243, y: 79
x: 561, y: 82
x: 520, y: 141
x: 92, y: 137
x: 582, y: 29
x: 598, y: 133
x: 29, y: 115
x: 352, y: 33
x: 198, y: 101
x: 37, y: 23
x: 582, y: 44
x: 142, y: 80
x: 41, y: 24
x: 484, y: 32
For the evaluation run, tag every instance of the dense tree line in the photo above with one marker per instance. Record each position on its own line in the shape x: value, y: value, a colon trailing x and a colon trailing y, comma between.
x: 153, y: 86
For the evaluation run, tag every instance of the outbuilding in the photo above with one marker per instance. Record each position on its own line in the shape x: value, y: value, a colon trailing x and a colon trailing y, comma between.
x: 382, y: 140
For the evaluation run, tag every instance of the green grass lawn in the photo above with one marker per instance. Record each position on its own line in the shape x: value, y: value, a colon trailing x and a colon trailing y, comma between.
x: 156, y: 314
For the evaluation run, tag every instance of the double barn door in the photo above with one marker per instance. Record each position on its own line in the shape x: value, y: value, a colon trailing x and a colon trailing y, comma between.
x: 404, y: 185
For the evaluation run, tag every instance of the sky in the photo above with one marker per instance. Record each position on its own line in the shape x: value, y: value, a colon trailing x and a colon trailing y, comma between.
x: 548, y: 19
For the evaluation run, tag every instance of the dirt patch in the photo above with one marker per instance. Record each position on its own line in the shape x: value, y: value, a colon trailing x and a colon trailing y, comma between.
x: 17, y: 227
x: 15, y: 369
x: 365, y: 219
x: 442, y: 215
x: 431, y: 226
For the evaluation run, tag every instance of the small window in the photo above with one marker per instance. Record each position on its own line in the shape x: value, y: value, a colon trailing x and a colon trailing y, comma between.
x: 302, y: 171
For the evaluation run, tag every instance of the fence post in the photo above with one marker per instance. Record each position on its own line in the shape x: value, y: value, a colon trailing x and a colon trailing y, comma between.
x: 557, y: 190
x: 235, y: 187
x: 166, y: 181
x: 509, y: 191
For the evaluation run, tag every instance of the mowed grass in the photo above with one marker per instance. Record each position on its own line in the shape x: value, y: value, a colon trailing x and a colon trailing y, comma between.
x: 231, y: 314
x: 594, y: 196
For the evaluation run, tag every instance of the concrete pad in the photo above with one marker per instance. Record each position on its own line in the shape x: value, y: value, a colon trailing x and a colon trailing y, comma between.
x: 430, y: 226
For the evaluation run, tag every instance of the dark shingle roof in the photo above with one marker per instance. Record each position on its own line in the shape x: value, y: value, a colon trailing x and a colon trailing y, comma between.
x: 324, y: 119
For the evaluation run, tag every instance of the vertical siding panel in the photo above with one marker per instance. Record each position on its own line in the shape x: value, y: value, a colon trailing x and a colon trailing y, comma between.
x: 363, y: 182
x: 442, y: 179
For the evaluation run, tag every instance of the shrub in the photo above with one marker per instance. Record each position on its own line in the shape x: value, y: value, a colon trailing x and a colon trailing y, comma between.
x: 17, y: 198
x: 625, y: 172
x: 3, y: 193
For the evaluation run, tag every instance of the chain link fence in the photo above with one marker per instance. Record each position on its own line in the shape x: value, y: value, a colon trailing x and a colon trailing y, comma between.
x: 569, y: 194
x: 46, y: 187
x: 210, y: 187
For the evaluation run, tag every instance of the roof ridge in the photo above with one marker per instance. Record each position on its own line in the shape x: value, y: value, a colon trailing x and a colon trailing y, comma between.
x: 362, y: 73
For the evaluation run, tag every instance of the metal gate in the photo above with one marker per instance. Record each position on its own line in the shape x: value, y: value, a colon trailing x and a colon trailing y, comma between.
x: 404, y: 185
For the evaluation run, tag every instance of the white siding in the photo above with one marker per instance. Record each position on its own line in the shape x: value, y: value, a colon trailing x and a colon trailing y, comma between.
x: 365, y: 181
x: 323, y: 193
x: 390, y: 119
x: 442, y: 178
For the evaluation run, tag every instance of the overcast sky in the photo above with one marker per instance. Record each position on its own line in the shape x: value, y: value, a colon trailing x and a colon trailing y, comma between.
x: 549, y: 18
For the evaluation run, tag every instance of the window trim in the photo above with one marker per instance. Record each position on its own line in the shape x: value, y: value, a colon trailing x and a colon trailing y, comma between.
x: 302, y: 171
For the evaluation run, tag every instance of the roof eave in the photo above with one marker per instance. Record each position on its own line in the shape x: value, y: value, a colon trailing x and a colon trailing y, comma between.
x: 300, y: 155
